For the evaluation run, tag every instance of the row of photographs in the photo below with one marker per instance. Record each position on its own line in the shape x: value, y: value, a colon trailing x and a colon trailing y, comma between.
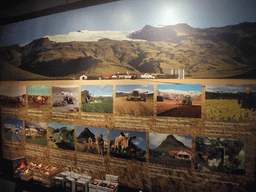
x: 211, y: 154
x: 222, y: 102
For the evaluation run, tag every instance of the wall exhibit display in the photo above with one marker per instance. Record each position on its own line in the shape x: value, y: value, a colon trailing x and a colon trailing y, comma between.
x: 13, y: 97
x: 61, y: 136
x: 179, y: 100
x: 13, y: 129
x: 97, y: 98
x: 230, y: 102
x: 220, y: 155
x: 91, y: 140
x: 39, y: 97
x: 128, y: 144
x: 134, y: 100
x: 36, y: 132
x: 65, y: 98
x: 170, y: 149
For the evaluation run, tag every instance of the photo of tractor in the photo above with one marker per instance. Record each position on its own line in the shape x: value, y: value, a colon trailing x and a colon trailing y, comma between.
x: 137, y: 96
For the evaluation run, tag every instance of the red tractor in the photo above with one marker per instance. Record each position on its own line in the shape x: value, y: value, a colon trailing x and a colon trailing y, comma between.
x: 137, y: 96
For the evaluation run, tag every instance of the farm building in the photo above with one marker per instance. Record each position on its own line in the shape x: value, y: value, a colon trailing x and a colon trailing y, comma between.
x: 182, y: 154
x: 147, y: 76
x: 83, y: 77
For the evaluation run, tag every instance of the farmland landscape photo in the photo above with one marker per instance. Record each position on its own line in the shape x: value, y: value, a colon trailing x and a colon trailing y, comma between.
x: 36, y: 132
x: 179, y: 100
x: 61, y: 136
x: 13, y: 97
x: 135, y: 100
x: 39, y: 97
x: 13, y: 129
x: 91, y: 140
x: 220, y: 155
x: 173, y: 150
x: 233, y: 102
x: 97, y: 98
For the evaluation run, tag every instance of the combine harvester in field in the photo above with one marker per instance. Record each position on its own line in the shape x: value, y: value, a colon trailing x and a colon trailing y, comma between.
x: 137, y: 96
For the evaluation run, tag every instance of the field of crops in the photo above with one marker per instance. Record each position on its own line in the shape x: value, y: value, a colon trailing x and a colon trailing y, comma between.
x: 225, y: 109
x: 104, y: 106
x: 38, y: 140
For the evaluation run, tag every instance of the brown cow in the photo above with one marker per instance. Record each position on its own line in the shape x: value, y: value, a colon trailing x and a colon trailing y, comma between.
x: 123, y: 141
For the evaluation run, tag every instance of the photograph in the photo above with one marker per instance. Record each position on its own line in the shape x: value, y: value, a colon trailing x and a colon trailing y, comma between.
x: 65, y: 98
x: 179, y: 100
x: 220, y: 155
x: 134, y: 100
x: 170, y: 149
x: 91, y: 140
x: 13, y: 96
x: 129, y: 145
x: 133, y: 37
x: 39, y: 97
x: 230, y: 102
x: 61, y: 136
x: 36, y: 132
x: 13, y: 129
x: 97, y: 98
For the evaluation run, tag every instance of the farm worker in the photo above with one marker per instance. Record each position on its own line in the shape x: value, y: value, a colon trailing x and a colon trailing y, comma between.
x: 101, y: 144
x: 247, y: 100
x: 91, y: 143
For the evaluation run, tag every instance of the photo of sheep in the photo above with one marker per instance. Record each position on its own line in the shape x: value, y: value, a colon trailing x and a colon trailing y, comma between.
x: 13, y: 97
x: 13, y: 129
x: 135, y: 100
x: 65, y: 98
x: 170, y: 149
x: 91, y: 140
x: 36, y: 132
x: 61, y: 136
x: 97, y: 98
x: 39, y: 97
x: 220, y: 155
x: 230, y: 102
x: 179, y: 100
x: 128, y: 145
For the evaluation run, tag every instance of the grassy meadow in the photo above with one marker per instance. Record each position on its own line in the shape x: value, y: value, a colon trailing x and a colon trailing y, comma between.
x: 225, y: 109
x: 42, y: 140
x: 101, y: 106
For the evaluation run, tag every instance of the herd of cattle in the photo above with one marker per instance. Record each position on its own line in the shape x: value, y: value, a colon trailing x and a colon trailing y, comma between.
x: 17, y: 101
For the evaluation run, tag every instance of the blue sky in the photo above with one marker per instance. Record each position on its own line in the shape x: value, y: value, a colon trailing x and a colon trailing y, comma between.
x: 131, y: 88
x: 56, y: 126
x: 39, y: 90
x: 94, y: 130
x: 130, y: 15
x: 99, y: 90
x: 232, y: 88
x: 140, y: 140
x: 180, y: 87
x: 15, y: 122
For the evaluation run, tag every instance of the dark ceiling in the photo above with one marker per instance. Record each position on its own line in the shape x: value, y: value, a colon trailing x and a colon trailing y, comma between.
x: 12, y: 11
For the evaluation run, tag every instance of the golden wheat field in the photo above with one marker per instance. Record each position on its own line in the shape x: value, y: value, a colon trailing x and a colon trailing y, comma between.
x: 133, y: 108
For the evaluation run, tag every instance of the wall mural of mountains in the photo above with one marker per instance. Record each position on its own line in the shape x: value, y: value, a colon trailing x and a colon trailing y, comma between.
x: 225, y: 52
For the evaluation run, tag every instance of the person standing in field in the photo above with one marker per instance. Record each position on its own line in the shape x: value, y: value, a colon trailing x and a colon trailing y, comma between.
x: 247, y: 100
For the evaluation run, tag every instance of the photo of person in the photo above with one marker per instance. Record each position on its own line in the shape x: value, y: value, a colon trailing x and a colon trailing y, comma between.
x: 91, y: 140
x: 220, y: 155
x: 230, y: 102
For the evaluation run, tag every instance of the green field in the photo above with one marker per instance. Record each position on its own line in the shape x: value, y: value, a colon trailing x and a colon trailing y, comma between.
x: 39, y: 140
x: 102, y: 106
x: 224, y: 109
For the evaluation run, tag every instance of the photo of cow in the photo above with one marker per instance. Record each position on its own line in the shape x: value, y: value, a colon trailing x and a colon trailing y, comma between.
x: 97, y: 98
x: 65, y: 98
x: 61, y: 136
x: 36, y: 132
x: 13, y: 97
x: 134, y: 100
x: 220, y: 155
x: 91, y: 140
x: 170, y: 149
x: 230, y: 102
x: 128, y: 145
x: 179, y: 100
x: 39, y: 97
x: 13, y: 129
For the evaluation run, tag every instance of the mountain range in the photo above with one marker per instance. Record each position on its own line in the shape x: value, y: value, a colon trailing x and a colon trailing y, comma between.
x: 85, y: 134
x: 224, y: 52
